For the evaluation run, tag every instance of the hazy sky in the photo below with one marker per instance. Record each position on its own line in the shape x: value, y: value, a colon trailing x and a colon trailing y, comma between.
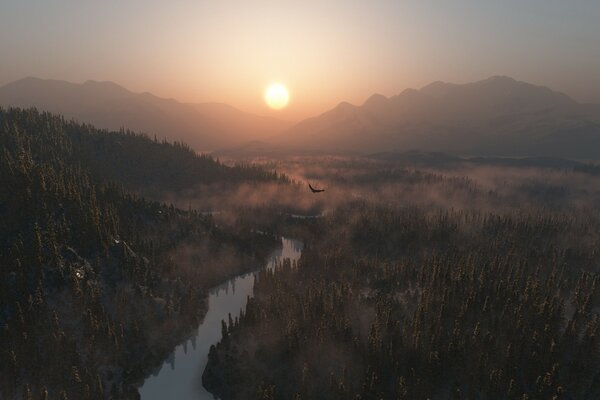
x: 325, y: 52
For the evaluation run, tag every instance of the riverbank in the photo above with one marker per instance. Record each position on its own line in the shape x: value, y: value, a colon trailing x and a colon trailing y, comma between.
x: 179, y: 376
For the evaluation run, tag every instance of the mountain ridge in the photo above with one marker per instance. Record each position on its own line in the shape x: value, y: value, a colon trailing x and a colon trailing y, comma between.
x: 108, y: 105
x: 497, y: 116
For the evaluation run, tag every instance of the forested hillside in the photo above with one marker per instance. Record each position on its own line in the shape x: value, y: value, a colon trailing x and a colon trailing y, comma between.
x: 125, y: 157
x: 94, y: 290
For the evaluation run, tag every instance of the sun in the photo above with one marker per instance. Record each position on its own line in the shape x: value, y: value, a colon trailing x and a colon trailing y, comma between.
x: 277, y: 96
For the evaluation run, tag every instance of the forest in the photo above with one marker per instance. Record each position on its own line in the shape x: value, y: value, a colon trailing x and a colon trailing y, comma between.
x: 437, y: 282
x: 422, y: 276
x: 93, y: 290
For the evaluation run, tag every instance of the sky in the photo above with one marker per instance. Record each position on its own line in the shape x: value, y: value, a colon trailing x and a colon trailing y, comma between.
x: 325, y: 52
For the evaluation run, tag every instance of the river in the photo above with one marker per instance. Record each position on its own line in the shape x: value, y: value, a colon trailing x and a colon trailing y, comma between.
x: 180, y: 376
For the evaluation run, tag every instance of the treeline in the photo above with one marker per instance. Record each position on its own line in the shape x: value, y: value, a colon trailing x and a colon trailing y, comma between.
x: 408, y: 303
x: 92, y: 295
x: 131, y: 159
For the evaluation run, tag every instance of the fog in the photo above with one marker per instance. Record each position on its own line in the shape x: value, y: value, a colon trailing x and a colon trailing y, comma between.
x: 465, y: 186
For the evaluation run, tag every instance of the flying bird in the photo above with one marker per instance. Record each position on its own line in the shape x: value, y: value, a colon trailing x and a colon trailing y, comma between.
x: 312, y: 189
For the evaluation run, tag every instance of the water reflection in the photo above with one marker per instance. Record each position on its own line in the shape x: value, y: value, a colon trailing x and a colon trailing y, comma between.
x: 180, y: 376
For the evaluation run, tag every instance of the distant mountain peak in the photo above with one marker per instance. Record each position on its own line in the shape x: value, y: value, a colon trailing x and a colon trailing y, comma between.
x: 437, y: 87
x: 499, y: 78
x: 29, y: 79
x: 101, y: 83
x: 441, y: 86
x: 344, y: 105
x: 32, y: 80
x: 434, y: 85
x: 375, y: 100
x: 408, y: 91
x: 106, y: 85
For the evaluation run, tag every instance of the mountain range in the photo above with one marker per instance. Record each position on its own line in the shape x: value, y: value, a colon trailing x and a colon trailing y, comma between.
x: 498, y: 116
x: 106, y: 105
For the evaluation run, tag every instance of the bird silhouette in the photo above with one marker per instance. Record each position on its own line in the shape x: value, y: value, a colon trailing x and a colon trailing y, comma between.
x: 312, y: 189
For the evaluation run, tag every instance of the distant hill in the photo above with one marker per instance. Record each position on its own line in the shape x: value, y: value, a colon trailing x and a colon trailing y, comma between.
x: 498, y: 116
x: 205, y: 126
x: 132, y: 160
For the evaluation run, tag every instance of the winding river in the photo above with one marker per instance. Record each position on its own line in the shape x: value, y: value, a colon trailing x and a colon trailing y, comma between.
x: 180, y: 376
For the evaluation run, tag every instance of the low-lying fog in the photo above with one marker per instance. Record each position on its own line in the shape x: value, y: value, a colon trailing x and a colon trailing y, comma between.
x: 352, y: 179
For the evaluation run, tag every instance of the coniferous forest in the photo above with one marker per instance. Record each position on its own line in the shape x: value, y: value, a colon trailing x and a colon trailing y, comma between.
x: 422, y: 276
x: 439, y: 286
x: 90, y: 294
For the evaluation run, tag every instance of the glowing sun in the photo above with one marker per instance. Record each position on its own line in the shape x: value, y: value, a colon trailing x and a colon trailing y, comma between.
x: 277, y: 96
